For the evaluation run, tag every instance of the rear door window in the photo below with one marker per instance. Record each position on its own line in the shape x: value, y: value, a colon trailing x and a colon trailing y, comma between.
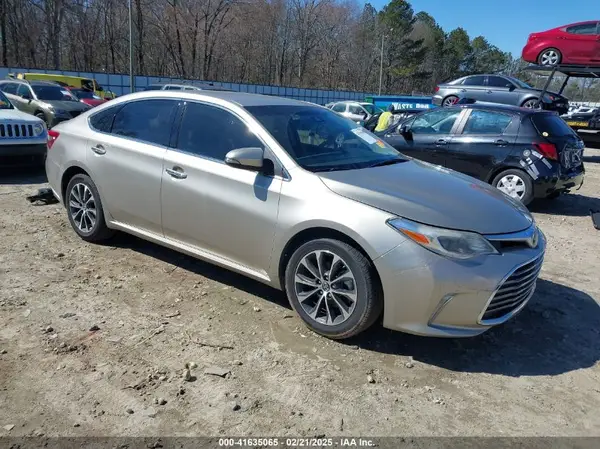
x: 146, y: 120
x: 102, y: 121
x: 477, y: 80
x: 586, y: 28
x: 487, y: 122
x: 498, y: 81
x: 551, y: 125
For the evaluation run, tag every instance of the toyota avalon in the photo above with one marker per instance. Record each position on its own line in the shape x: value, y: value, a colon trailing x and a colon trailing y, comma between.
x: 304, y: 200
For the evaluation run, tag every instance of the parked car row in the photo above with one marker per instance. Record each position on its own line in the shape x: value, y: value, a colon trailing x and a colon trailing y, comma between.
x: 306, y: 201
x: 48, y: 101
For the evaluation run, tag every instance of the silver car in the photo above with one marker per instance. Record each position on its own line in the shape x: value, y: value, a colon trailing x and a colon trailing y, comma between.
x: 297, y: 197
x: 355, y: 111
x: 497, y: 89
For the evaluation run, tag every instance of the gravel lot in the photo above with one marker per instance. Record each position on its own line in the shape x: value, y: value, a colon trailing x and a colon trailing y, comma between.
x: 94, y: 341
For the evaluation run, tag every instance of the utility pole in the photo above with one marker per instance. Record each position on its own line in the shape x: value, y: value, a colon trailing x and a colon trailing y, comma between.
x: 130, y: 49
x: 381, y: 64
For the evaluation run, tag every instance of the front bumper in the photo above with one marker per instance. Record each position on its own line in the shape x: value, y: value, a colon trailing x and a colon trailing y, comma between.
x: 22, y: 154
x: 426, y: 294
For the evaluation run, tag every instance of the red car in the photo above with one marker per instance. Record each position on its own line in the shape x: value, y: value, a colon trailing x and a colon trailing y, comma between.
x: 87, y: 97
x: 578, y: 44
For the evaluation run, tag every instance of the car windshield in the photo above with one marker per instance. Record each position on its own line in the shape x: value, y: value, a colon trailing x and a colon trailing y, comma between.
x: 4, y: 102
x: 371, y: 108
x: 320, y: 140
x: 80, y: 93
x: 551, y: 125
x: 521, y: 84
x: 50, y: 93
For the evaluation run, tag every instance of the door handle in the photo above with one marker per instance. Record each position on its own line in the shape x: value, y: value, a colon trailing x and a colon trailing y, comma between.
x: 463, y: 90
x: 501, y: 143
x: 176, y: 172
x: 441, y: 142
x: 490, y: 92
x: 99, y: 149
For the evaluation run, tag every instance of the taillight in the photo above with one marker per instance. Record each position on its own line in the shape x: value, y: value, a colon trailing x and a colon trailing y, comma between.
x: 52, y: 136
x: 437, y: 88
x: 547, y: 149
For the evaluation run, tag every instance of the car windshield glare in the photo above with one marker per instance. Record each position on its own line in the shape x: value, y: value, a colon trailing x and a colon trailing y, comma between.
x: 4, y: 102
x: 521, y: 84
x: 52, y: 93
x: 320, y: 140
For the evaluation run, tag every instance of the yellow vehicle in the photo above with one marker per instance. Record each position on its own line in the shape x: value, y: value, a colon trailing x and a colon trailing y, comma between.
x: 65, y: 80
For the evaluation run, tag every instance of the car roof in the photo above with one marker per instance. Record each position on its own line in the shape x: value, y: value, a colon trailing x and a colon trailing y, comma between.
x: 241, y: 98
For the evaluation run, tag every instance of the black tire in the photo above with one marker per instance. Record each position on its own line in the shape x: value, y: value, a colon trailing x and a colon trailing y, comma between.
x: 42, y: 116
x: 543, y: 53
x: 99, y: 231
x: 449, y: 100
x: 369, y: 302
x: 527, y: 181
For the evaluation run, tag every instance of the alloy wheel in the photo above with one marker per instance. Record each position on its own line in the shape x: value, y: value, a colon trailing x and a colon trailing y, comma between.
x: 82, y: 207
x: 513, y: 186
x: 531, y: 104
x: 549, y: 57
x: 325, y: 287
x: 450, y: 101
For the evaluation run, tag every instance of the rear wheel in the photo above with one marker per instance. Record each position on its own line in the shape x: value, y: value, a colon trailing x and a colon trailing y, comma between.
x: 332, y: 287
x: 84, y: 209
x: 516, y: 184
x: 550, y: 56
x: 450, y: 100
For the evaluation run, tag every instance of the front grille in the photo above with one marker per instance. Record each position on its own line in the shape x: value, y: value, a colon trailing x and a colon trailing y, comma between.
x: 14, y: 130
x: 515, y: 291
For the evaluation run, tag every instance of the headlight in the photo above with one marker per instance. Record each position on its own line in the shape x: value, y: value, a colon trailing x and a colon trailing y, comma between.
x: 38, y: 129
x: 445, y: 242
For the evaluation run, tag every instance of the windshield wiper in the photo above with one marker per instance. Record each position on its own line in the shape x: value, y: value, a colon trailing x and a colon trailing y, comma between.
x: 387, y: 162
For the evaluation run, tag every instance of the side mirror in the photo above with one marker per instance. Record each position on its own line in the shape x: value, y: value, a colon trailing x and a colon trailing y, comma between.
x: 26, y: 96
x: 405, y: 131
x: 248, y: 158
x: 511, y: 87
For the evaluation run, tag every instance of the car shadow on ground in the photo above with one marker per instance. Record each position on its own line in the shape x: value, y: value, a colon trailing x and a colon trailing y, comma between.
x: 572, y: 204
x: 22, y: 176
x: 557, y: 332
x: 197, y: 266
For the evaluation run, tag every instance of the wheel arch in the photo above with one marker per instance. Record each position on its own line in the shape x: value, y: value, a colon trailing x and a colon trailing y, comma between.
x: 67, y: 176
x: 497, y: 170
x: 319, y: 232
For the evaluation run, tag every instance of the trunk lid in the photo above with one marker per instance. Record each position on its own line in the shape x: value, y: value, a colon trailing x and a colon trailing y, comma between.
x: 569, y: 146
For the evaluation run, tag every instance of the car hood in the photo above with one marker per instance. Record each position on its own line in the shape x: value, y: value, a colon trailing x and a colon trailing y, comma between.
x: 432, y: 195
x: 67, y: 105
x: 16, y: 115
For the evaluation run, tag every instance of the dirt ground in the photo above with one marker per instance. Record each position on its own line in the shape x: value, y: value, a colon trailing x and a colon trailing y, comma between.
x: 155, y: 310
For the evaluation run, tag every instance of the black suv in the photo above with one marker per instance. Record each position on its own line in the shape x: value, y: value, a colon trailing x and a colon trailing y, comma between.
x: 526, y: 153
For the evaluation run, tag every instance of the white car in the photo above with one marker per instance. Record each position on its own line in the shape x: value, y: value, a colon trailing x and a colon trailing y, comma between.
x: 23, y: 137
x: 354, y: 110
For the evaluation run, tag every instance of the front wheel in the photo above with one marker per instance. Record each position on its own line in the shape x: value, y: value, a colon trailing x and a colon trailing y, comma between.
x: 532, y: 104
x: 332, y: 287
x: 516, y: 184
x: 42, y: 116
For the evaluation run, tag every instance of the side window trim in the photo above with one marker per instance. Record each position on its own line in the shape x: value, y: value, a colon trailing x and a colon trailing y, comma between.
x: 280, y: 171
